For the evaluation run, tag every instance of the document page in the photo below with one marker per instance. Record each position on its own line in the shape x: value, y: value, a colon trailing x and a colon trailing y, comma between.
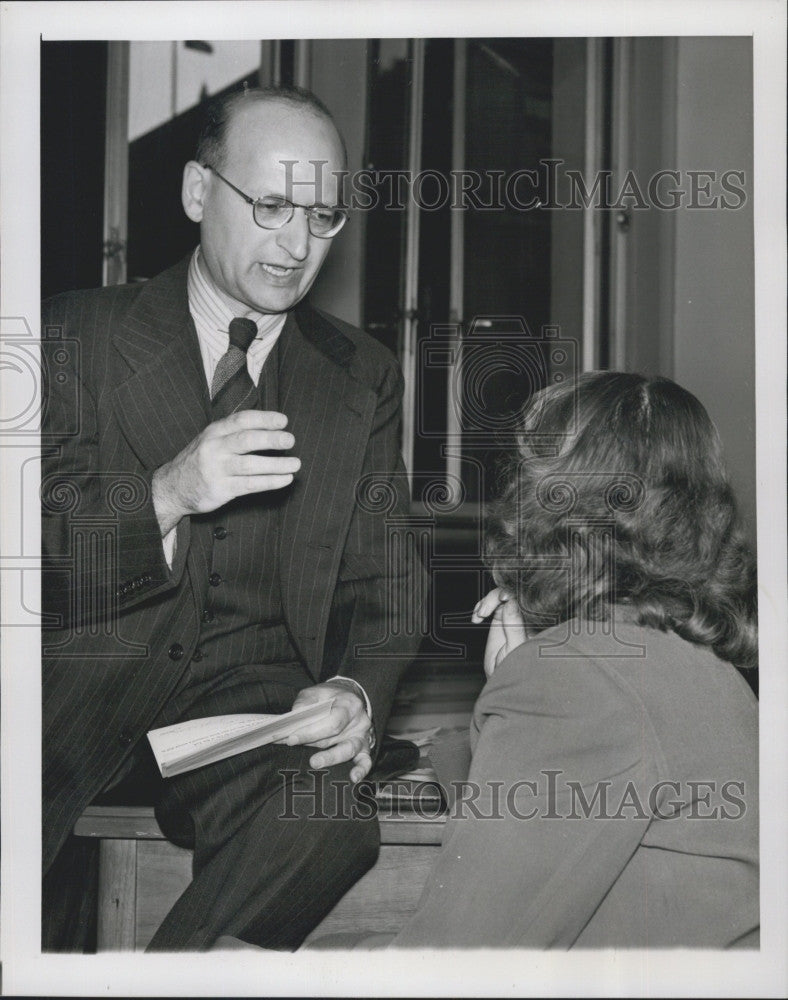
x: 188, y: 745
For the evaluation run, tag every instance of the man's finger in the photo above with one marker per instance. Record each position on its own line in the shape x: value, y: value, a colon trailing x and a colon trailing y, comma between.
x: 353, y: 730
x: 263, y: 465
x: 339, y: 754
x: 260, y: 484
x: 258, y: 439
x: 362, y: 765
x: 328, y: 729
x: 267, y: 420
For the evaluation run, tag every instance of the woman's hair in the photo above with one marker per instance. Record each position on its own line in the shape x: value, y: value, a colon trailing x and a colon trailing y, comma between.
x: 617, y: 493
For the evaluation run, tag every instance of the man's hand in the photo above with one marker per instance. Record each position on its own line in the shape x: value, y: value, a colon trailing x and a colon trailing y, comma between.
x: 507, y: 630
x: 220, y: 464
x: 344, y: 735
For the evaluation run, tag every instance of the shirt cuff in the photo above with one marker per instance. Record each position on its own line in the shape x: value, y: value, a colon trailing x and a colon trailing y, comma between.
x: 363, y: 694
x: 359, y: 690
x: 169, y: 543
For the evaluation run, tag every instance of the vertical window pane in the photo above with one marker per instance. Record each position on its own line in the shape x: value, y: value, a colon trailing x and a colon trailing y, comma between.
x: 507, y: 246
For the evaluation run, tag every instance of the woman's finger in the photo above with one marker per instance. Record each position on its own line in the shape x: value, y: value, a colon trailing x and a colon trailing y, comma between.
x: 487, y: 605
x: 511, y: 617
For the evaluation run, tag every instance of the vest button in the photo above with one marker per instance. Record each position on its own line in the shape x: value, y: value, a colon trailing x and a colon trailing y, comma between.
x: 220, y: 532
x: 197, y: 656
x: 207, y: 617
x: 214, y: 579
x: 125, y: 737
x: 175, y: 652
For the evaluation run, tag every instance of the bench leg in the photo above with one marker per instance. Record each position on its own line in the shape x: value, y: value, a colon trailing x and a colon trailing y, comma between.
x: 117, y: 895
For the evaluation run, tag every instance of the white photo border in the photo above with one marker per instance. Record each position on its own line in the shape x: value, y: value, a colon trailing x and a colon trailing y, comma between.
x: 616, y: 973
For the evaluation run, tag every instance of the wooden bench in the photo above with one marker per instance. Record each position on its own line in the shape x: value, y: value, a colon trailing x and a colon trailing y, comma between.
x: 141, y: 875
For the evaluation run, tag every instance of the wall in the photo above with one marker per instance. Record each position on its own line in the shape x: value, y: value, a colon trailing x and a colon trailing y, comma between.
x: 689, y: 272
x: 713, y: 305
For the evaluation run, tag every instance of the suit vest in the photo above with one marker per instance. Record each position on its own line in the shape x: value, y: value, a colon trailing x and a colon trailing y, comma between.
x: 236, y: 550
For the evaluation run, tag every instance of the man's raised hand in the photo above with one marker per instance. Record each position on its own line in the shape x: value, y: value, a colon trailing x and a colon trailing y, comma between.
x: 221, y: 464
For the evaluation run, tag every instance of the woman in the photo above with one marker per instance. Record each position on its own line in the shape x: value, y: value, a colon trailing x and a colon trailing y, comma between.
x: 612, y: 799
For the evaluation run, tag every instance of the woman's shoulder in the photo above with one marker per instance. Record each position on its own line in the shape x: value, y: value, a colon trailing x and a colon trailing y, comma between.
x: 599, y: 669
x: 550, y: 703
x: 565, y: 664
x: 631, y: 700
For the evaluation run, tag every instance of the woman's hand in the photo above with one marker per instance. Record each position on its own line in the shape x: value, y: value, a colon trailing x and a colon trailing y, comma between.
x: 507, y: 630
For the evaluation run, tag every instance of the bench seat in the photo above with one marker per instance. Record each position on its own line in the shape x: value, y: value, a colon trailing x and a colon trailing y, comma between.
x: 141, y: 875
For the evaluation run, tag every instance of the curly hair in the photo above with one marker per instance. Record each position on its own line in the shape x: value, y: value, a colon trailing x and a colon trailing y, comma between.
x: 616, y: 493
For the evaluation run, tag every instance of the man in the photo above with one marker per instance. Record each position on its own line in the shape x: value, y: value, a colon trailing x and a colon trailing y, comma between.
x: 215, y: 429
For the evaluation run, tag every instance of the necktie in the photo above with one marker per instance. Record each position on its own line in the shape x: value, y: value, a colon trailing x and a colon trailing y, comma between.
x: 232, y: 387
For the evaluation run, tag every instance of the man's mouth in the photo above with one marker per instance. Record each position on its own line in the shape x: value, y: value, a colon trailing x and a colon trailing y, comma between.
x: 277, y: 271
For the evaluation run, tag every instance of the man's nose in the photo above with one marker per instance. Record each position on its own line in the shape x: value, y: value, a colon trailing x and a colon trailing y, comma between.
x: 294, y: 235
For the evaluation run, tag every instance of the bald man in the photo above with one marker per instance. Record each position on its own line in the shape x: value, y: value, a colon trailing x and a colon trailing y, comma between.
x: 222, y: 432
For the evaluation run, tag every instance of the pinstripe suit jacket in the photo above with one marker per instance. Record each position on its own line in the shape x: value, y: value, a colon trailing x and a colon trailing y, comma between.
x: 126, y: 392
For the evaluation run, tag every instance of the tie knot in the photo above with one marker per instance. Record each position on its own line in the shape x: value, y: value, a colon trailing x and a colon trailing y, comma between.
x: 242, y: 333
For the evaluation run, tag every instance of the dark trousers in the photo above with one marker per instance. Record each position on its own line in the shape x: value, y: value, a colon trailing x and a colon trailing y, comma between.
x: 276, y: 844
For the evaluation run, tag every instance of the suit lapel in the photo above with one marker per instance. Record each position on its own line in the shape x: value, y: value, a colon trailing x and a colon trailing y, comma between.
x: 330, y: 415
x: 164, y: 403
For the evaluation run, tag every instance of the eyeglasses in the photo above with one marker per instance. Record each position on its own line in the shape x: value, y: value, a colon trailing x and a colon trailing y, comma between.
x: 273, y: 212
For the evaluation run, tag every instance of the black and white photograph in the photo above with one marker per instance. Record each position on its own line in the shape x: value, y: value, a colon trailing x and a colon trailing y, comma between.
x: 393, y: 473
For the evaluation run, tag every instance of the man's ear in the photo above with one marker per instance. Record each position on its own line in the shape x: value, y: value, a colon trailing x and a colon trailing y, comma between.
x: 194, y: 190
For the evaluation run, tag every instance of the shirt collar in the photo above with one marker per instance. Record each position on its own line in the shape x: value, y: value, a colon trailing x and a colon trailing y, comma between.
x: 210, y: 311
